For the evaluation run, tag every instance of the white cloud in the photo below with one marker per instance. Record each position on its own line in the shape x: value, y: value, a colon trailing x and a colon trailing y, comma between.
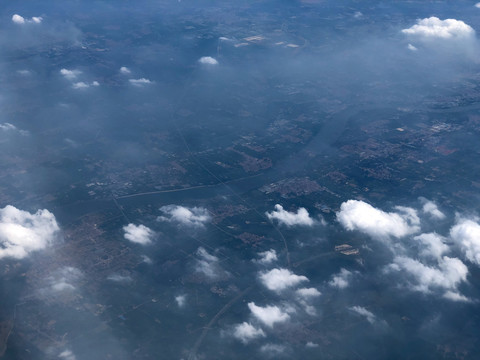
x: 267, y: 257
x: 301, y: 217
x: 430, y: 208
x: 308, y: 293
x: 358, y: 215
x: 181, y: 300
x: 371, y: 318
x: 80, y: 85
x: 208, y: 60
x: 67, y: 355
x: 70, y: 74
x: 140, y: 82
x: 139, y: 234
x: 125, y: 70
x: 65, y: 279
x: 447, y: 276
x: 341, y: 280
x: 119, y: 278
x: 7, y: 127
x: 37, y: 19
x: 146, y: 259
x: 245, y: 332
x: 22, y: 232
x: 208, y: 265
x: 192, y: 217
x: 433, y: 28
x: 268, y: 315
x: 281, y: 279
x: 311, y: 345
x: 411, y: 47
x: 24, y: 72
x: 20, y: 20
x: 466, y: 234
x: 273, y: 350
x: 84, y: 85
x: 477, y: 5
x: 17, y: 19
x: 433, y: 245
x: 455, y: 296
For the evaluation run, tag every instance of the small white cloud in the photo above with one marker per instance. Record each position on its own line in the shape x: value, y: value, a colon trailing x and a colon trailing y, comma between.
x: 477, y: 5
x: 67, y: 355
x: 24, y: 72
x: 125, y: 70
x: 95, y: 83
x: 447, y: 276
x: 358, y: 15
x: 208, y: 60
x: 64, y: 279
x: 245, y: 332
x: 139, y: 234
x: 22, y: 232
x: 80, y: 85
x: 7, y: 127
x: 192, y: 217
x: 119, y: 278
x: 466, y: 234
x: 37, y: 19
x: 140, y: 82
x: 146, y: 259
x: 267, y: 257
x: 268, y: 315
x: 455, y: 296
x: 307, y: 293
x: 17, y: 19
x: 358, y: 215
x: 181, y: 300
x: 281, y: 279
x: 208, y: 265
x: 430, y: 208
x: 311, y: 345
x: 434, y: 28
x: 371, y: 318
x: 301, y: 217
x: 432, y: 245
x: 273, y: 350
x: 70, y: 74
x: 411, y: 47
x: 341, y: 280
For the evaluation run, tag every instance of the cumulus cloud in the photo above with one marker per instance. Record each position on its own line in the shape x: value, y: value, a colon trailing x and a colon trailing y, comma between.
x: 140, y: 82
x: 70, y: 74
x: 208, y: 265
x: 192, y: 217
x: 67, y: 355
x: 84, y: 85
x: 20, y: 20
x: 119, y: 278
x: 268, y: 315
x: 434, y: 28
x: 430, y: 208
x: 358, y: 215
x: 432, y: 245
x: 22, y: 232
x: 273, y: 350
x: 208, y: 60
x: 308, y: 293
x: 7, y: 127
x: 139, y: 234
x: 466, y: 234
x: 125, y: 70
x: 17, y: 19
x: 446, y: 277
x: 267, y: 257
x: 245, y: 332
x: 181, y: 300
x: 301, y: 217
x: 64, y: 279
x: 371, y: 318
x: 341, y: 280
x: 281, y: 279
x: 477, y: 5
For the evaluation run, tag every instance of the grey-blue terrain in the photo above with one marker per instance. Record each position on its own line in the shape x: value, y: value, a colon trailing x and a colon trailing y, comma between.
x: 239, y: 179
